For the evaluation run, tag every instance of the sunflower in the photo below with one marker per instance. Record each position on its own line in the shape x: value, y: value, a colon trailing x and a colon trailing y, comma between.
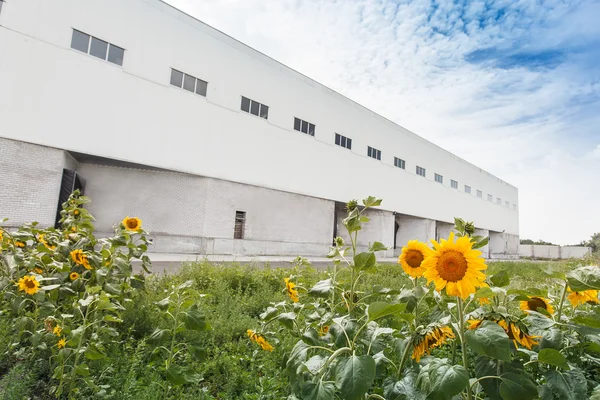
x: 432, y: 339
x: 323, y: 330
x: 537, y: 302
x: 484, y: 300
x: 474, y: 323
x: 1, y: 234
x: 61, y: 343
x: 20, y: 244
x: 80, y: 258
x: 38, y: 270
x: 29, y: 285
x: 42, y: 240
x: 76, y: 212
x: 261, y: 341
x: 517, y: 335
x: 412, y: 257
x: 289, y: 287
x: 580, y: 298
x: 57, y: 330
x: 132, y: 224
x: 73, y: 276
x: 454, y: 265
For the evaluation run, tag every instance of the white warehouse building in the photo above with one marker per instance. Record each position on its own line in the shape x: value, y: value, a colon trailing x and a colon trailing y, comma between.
x: 218, y: 148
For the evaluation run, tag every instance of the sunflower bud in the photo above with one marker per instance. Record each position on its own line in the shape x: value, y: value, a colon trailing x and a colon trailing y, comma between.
x: 469, y: 228
x: 351, y: 205
x: 339, y: 241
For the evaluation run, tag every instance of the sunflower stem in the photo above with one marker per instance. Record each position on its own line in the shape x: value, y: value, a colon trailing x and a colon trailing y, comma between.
x: 562, y: 300
x: 405, y: 355
x: 461, y: 335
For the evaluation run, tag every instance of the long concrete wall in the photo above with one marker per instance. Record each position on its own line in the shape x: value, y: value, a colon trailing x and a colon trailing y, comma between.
x: 553, y: 252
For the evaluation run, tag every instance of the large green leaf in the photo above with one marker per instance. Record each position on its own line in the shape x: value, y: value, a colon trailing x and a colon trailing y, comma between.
x: 354, y: 376
x: 195, y: 319
x: 364, y: 261
x: 377, y: 246
x: 318, y: 390
x: 287, y: 319
x: 94, y: 353
x: 372, y: 202
x: 584, y: 278
x: 552, y: 339
x: 517, y: 386
x: 83, y: 370
x: 404, y: 389
x: 567, y: 385
x: 322, y: 289
x: 500, y: 279
x: 380, y: 309
x: 489, y: 339
x: 158, y: 337
x: 178, y: 376
x: 445, y: 380
x: 553, y: 357
x: 485, y: 366
x: 297, y: 356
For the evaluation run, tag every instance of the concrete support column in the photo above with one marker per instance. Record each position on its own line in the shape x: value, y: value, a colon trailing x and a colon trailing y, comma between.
x: 503, y: 245
x: 413, y: 228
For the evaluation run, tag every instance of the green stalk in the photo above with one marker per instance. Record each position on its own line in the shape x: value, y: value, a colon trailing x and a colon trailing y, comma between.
x: 405, y: 355
x: 461, y: 335
x: 562, y: 300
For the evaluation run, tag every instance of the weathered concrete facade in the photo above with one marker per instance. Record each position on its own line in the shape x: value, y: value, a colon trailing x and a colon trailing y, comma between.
x: 553, y: 252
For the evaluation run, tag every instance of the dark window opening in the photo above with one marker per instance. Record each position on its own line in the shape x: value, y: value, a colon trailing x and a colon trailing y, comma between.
x: 240, y: 225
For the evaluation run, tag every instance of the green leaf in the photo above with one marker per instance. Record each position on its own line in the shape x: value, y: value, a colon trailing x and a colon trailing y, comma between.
x: 93, y: 353
x: 372, y: 202
x: 49, y: 287
x: 552, y: 339
x: 287, y: 319
x: 517, y: 387
x: 318, y: 390
x: 485, y: 366
x: 500, y: 279
x: 175, y: 375
x: 269, y: 313
x: 404, y: 389
x: 484, y: 292
x: 198, y: 352
x: 159, y: 337
x: 380, y: 309
x: 297, y: 356
x: 584, y: 278
x: 553, y: 357
x: 323, y: 288
x: 567, y: 385
x: 489, y: 339
x: 163, y: 305
x: 354, y: 376
x: 459, y: 224
x: 195, y: 320
x: 364, y: 261
x: 596, y: 393
x: 482, y: 243
x: 377, y: 246
x: 83, y: 370
x: 445, y: 380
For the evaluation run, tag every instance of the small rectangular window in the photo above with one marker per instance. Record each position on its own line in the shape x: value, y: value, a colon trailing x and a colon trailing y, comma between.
x: 467, y: 189
x: 264, y: 111
x: 98, y: 48
x: 439, y: 178
x: 373, y: 153
x: 201, y: 87
x: 116, y: 54
x: 297, y: 124
x: 240, y: 225
x: 189, y: 83
x: 176, y: 78
x: 245, y: 104
x: 479, y: 193
x: 254, y: 107
x: 399, y: 163
x: 80, y: 41
x: 304, y: 126
x: 343, y: 141
x: 311, y: 129
x: 490, y: 197
x: 454, y: 184
x: 421, y: 171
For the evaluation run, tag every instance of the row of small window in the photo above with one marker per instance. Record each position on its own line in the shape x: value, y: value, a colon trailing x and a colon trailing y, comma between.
x: 454, y: 184
x: 97, y: 47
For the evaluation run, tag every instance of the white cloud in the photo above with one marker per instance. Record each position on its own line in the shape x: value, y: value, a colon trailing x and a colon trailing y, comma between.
x: 406, y: 60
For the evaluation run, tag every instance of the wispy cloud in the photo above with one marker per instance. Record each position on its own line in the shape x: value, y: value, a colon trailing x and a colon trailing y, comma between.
x: 512, y: 86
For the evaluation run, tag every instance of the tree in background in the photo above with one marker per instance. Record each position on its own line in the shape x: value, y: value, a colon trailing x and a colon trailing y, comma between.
x: 594, y: 242
x: 540, y: 242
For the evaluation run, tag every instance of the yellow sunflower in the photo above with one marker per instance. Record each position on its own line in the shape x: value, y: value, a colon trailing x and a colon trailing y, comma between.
x: 73, y: 276
x: 289, y: 287
x: 42, y: 240
x: 579, y: 298
x: 76, y: 212
x: 261, y: 341
x: 252, y: 335
x: 537, y: 302
x: 20, y: 244
x: 37, y: 270
x: 412, y: 257
x: 80, y: 258
x: 323, y: 330
x: 29, y: 285
x: 61, y: 343
x: 1, y: 234
x: 517, y: 335
x: 432, y: 339
x: 57, y: 330
x: 132, y: 224
x: 454, y: 265
x: 474, y: 323
x: 484, y: 300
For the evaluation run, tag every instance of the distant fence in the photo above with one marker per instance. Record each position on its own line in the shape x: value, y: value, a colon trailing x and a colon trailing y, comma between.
x: 553, y: 252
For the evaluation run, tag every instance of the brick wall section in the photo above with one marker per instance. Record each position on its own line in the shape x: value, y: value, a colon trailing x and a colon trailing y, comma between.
x: 31, y: 177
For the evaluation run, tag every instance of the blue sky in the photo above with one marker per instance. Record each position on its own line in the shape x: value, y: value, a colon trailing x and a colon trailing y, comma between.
x: 512, y: 86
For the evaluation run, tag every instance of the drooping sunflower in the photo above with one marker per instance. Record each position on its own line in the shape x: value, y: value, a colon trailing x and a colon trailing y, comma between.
x: 412, y: 257
x: 537, y: 302
x: 323, y: 330
x: 61, y: 343
x: 28, y: 284
x: 252, y: 335
x: 289, y: 287
x: 42, y: 240
x: 454, y: 265
x: 73, y: 276
x: 580, y: 298
x: 132, y: 224
x: 80, y: 258
x: 57, y: 330
x: 261, y: 341
x: 19, y: 244
x: 474, y: 323
x: 38, y: 270
x: 435, y: 337
x: 517, y: 335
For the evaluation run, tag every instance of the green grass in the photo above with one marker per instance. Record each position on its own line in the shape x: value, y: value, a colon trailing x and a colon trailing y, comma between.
x: 235, y: 368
